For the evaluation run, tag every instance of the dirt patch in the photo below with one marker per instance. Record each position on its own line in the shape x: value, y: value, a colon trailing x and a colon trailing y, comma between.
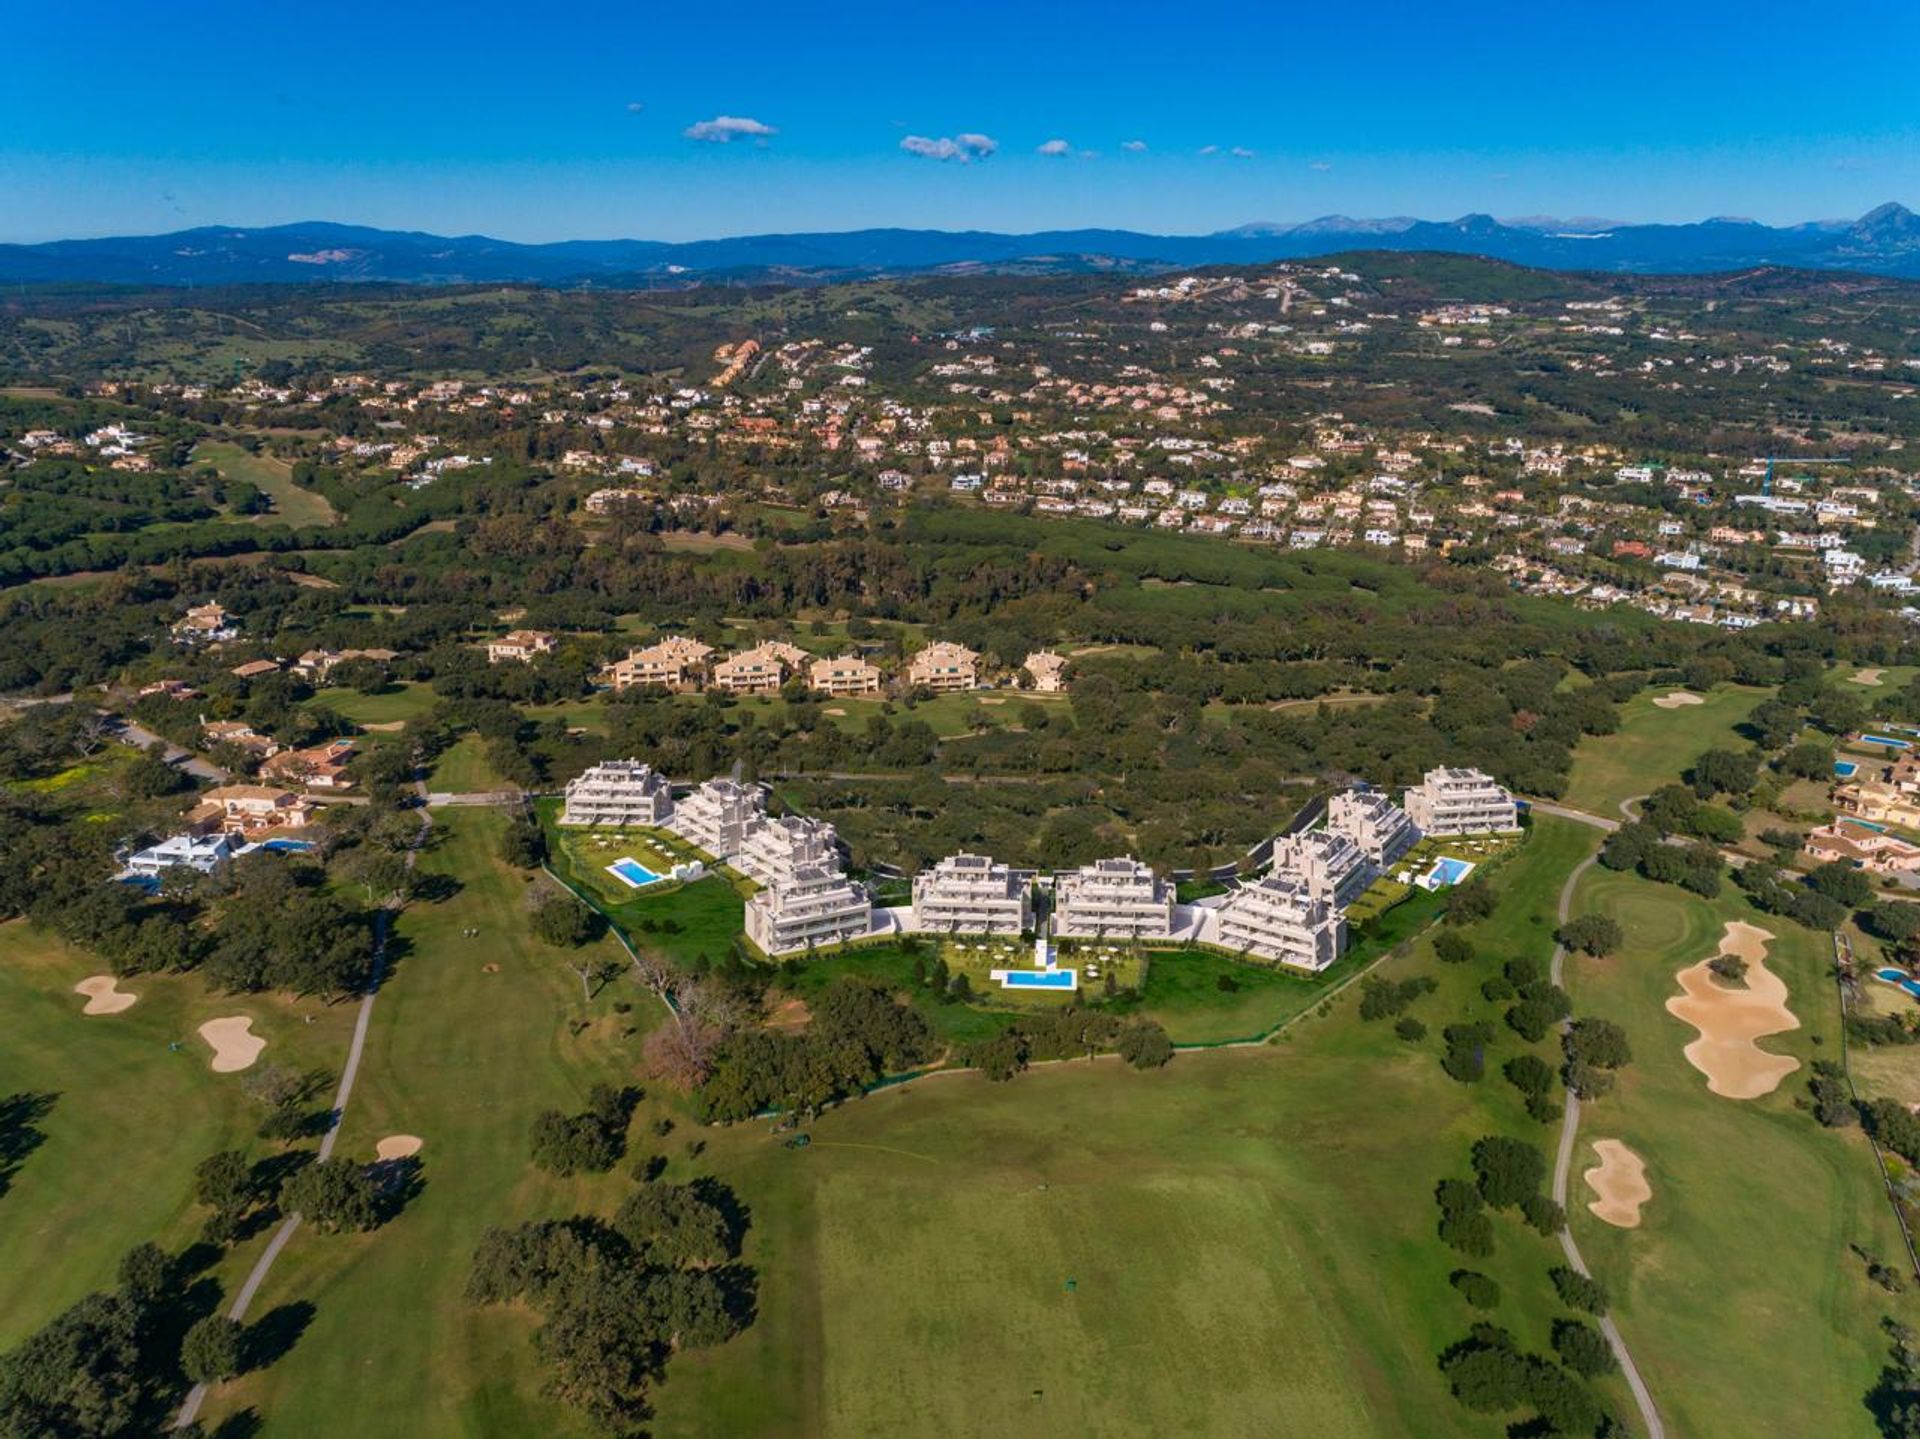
x: 234, y: 1046
x: 790, y: 1014
x: 489, y: 969
x: 1677, y: 699
x: 834, y: 711
x: 992, y: 702
x: 397, y: 1146
x: 1868, y: 677
x: 1730, y: 1021
x: 1619, y: 1182
x: 102, y: 997
x: 384, y: 727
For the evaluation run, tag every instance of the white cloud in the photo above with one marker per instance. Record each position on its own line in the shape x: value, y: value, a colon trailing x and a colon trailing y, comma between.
x: 722, y: 129
x: 966, y: 148
x: 1320, y: 165
x: 634, y: 107
x: 1241, y: 152
x: 1134, y: 146
x: 1209, y: 149
x: 1053, y: 147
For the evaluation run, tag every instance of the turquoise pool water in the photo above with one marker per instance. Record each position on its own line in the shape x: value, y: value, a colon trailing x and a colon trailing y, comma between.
x: 1845, y: 768
x: 1900, y: 978
x: 1039, y: 979
x: 1448, y: 871
x: 633, y: 872
x: 1864, y: 824
x: 1887, y: 740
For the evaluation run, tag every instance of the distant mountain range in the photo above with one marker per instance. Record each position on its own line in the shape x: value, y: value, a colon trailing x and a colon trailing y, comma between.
x: 1884, y: 241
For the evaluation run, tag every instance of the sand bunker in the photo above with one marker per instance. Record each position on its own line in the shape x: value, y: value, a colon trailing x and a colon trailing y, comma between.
x: 1730, y: 1020
x: 1677, y: 699
x: 233, y: 1046
x: 398, y: 1146
x: 489, y: 968
x: 1868, y: 677
x: 102, y: 997
x: 834, y: 710
x: 1619, y: 1181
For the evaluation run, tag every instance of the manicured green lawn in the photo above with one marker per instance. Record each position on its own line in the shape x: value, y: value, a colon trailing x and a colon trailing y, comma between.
x: 463, y: 769
x: 463, y: 1058
x: 686, y: 922
x: 1653, y: 746
x: 291, y: 504
x: 1249, y: 1237
x: 1740, y: 1300
x: 130, y: 1117
x: 402, y: 701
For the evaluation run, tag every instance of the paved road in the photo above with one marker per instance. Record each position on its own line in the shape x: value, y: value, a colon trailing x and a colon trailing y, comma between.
x: 243, y: 1298
x: 184, y: 760
x: 1569, y: 1129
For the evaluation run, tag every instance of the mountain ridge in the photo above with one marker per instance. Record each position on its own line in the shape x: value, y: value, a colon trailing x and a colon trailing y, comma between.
x: 1885, y: 241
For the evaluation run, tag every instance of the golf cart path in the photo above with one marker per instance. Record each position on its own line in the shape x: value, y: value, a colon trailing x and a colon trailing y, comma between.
x: 1569, y: 1131
x: 244, y: 1296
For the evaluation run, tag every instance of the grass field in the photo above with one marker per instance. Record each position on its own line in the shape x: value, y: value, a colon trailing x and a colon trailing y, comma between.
x: 1743, y: 1307
x: 130, y: 1117
x: 1249, y: 1236
x: 464, y: 1059
x: 402, y: 701
x: 291, y: 504
x: 1653, y: 746
x: 462, y: 768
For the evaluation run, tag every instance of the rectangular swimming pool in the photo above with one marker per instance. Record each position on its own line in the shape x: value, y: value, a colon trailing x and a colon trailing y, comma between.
x: 1845, y: 768
x: 1886, y: 741
x: 1039, y: 979
x: 1446, y: 871
x: 632, y: 872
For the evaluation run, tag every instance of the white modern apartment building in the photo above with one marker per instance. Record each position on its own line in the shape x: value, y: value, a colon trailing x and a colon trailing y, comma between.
x: 1331, y: 866
x: 1277, y: 918
x: 778, y: 849
x: 618, y: 792
x: 815, y: 906
x: 1375, y: 823
x: 1461, y: 801
x: 718, y: 815
x: 971, y: 894
x: 1112, y: 899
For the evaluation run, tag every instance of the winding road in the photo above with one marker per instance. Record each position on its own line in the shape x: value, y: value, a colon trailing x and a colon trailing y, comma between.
x: 1570, y: 1127
x: 244, y: 1296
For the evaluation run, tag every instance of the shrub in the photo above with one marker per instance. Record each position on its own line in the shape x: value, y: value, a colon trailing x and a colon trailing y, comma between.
x: 1578, y: 1291
x: 1452, y: 947
x: 213, y: 1350
x: 1410, y: 1029
x: 1507, y: 1170
x: 1476, y: 1288
x: 1582, y: 1348
x: 1595, y: 934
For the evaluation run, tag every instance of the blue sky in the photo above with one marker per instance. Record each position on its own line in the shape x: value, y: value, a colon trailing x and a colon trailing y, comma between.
x: 597, y: 120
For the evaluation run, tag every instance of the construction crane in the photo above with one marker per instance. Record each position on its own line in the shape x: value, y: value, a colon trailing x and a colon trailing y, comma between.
x: 1767, y: 487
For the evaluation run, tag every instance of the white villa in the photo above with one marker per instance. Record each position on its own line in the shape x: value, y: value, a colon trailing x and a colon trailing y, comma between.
x: 760, y: 670
x: 519, y: 646
x: 675, y: 663
x: 202, y: 852
x: 1461, y: 801
x: 1112, y: 899
x: 1374, y: 822
x: 847, y: 675
x: 1331, y: 866
x: 1277, y: 918
x: 618, y: 792
x: 971, y: 894
x: 778, y: 849
x: 719, y: 815
x: 816, y: 905
x: 1049, y: 671
x: 943, y: 667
